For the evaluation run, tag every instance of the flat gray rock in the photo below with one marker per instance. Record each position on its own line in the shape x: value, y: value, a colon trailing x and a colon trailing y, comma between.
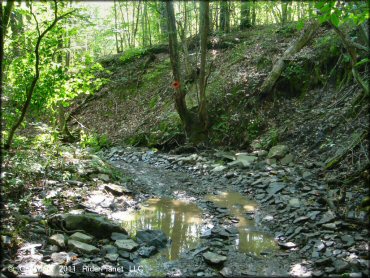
x: 275, y: 187
x: 117, y: 236
x: 58, y: 239
x: 278, y: 151
x: 81, y: 237
x: 214, y: 258
x: 126, y: 244
x: 116, y: 190
x: 96, y: 225
x: 82, y: 247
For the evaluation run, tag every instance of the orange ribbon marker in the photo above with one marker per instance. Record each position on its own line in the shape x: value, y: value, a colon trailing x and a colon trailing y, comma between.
x: 176, y: 85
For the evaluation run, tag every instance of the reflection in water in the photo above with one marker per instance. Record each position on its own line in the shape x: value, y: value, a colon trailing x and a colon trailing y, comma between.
x: 180, y: 221
x: 248, y: 241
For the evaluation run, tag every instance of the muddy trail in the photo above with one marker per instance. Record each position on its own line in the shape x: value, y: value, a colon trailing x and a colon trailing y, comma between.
x: 211, y: 213
x: 233, y: 214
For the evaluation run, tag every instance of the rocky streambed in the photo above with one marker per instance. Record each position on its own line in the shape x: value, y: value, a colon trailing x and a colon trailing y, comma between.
x: 213, y: 213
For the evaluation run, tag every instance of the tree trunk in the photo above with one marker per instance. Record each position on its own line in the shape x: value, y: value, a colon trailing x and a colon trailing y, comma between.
x: 116, y: 26
x: 180, y: 93
x: 284, y: 12
x: 254, y: 13
x: 306, y: 35
x: 245, y: 12
x: 204, y: 27
x: 163, y: 23
x: 224, y: 16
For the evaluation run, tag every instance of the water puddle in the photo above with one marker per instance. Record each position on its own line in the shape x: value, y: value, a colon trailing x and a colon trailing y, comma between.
x: 179, y: 220
x: 182, y: 223
x: 249, y: 240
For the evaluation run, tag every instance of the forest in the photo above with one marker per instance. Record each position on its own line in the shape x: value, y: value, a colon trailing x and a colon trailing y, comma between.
x: 184, y: 138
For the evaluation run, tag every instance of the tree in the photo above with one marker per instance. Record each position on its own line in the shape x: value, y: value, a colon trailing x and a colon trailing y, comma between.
x: 36, y: 77
x: 195, y: 124
x: 245, y: 15
x: 204, y: 28
x: 4, y: 20
x: 224, y: 16
x: 284, y: 12
x: 357, y: 14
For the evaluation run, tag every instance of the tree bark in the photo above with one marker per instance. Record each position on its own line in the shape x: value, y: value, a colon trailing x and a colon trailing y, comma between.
x: 224, y: 16
x: 32, y: 87
x: 180, y: 93
x: 204, y: 28
x: 306, y: 35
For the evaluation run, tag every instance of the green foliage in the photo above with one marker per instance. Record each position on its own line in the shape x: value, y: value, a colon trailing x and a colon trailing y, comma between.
x: 293, y: 70
x: 131, y: 54
x: 338, y: 12
x: 270, y: 139
x: 254, y: 128
x: 94, y: 141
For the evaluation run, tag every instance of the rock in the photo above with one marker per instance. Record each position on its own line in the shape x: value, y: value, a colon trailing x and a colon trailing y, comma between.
x: 81, y: 247
x: 260, y: 153
x: 146, y: 252
x: 117, y: 236
x: 96, y: 225
x: 154, y: 238
x: 340, y: 265
x: 327, y: 217
x: 306, y: 174
x: 124, y: 254
x: 323, y: 262
x: 319, y: 246
x: 116, y: 190
x: 106, y: 249
x: 81, y: 237
x: 275, y: 187
x: 270, y: 161
x: 245, y: 160
x: 300, y: 219
x: 112, y: 257
x: 226, y: 272
x: 58, y: 239
x: 214, y: 258
x: 220, y: 232
x: 348, y: 239
x: 287, y: 245
x: 52, y: 248
x: 287, y: 159
x: 294, y: 202
x: 330, y: 226
x: 104, y: 177
x: 312, y: 214
x: 126, y: 244
x: 126, y: 265
x: 60, y: 257
x: 224, y: 155
x: 219, y: 168
x: 278, y: 151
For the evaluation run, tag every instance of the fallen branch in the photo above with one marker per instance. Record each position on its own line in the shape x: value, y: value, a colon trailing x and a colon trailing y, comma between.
x: 297, y: 45
x: 339, y: 157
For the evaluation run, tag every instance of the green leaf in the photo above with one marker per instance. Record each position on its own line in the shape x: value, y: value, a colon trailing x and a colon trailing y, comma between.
x: 363, y: 61
x: 334, y: 19
x: 300, y: 25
